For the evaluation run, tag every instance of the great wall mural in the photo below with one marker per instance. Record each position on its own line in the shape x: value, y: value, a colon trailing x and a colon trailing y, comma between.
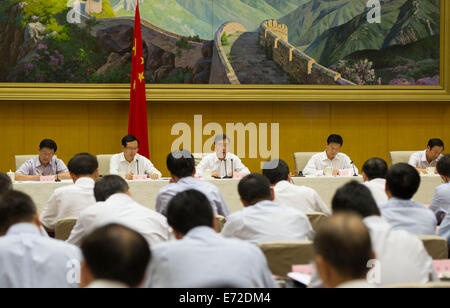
x: 318, y: 42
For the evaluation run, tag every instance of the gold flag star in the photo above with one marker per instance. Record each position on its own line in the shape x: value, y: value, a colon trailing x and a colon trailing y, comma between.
x: 141, y: 76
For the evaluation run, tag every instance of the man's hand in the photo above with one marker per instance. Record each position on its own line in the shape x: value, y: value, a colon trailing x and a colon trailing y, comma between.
x: 154, y: 176
x: 215, y: 175
x: 129, y: 176
x: 335, y: 172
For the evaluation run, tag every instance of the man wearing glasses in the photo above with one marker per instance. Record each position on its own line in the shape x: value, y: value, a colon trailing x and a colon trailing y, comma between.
x: 45, y: 164
x: 222, y: 163
x: 130, y: 163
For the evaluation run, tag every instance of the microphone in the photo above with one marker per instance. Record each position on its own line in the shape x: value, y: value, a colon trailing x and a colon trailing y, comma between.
x: 354, y: 169
x: 137, y: 166
x: 57, y: 177
x: 226, y: 172
x: 232, y: 168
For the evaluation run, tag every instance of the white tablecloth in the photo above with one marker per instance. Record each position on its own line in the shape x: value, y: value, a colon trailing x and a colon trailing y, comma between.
x: 145, y: 192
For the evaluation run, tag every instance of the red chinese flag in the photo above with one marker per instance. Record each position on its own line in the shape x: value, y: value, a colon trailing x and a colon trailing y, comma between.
x: 137, y: 124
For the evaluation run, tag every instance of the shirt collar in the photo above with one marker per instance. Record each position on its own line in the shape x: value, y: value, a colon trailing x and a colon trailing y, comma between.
x: 374, y: 220
x: 201, y: 231
x: 85, y: 181
x: 325, y: 156
x: 122, y: 158
x: 23, y: 228
x: 103, y: 283
x: 282, y: 184
x: 265, y: 203
x: 424, y: 156
x: 216, y: 159
x: 187, y: 180
x: 120, y: 198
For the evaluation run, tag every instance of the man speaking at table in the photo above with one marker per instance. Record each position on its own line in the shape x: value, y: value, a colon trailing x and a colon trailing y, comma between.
x: 222, y: 163
x: 130, y: 163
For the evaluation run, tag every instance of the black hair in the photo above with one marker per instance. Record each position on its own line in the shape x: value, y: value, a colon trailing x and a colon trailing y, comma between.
x: 375, y: 168
x: 115, y: 252
x: 189, y: 209
x: 127, y: 139
x: 5, y: 183
x: 48, y: 144
x: 108, y: 186
x: 443, y: 165
x: 254, y: 188
x: 335, y: 139
x: 435, y: 142
x: 181, y: 163
x: 355, y: 197
x: 344, y: 242
x: 277, y: 174
x: 220, y: 138
x: 403, y: 181
x: 15, y: 207
x: 83, y: 164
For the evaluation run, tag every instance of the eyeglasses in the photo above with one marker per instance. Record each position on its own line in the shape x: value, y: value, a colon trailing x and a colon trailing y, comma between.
x: 132, y: 149
x: 46, y: 154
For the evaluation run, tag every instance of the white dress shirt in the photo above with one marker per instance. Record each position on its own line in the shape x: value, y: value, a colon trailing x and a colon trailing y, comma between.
x: 444, y: 229
x: 266, y: 222
x: 401, y: 256
x: 441, y: 199
x: 139, y: 165
x: 33, y: 166
x: 301, y: 198
x: 214, y: 164
x: 30, y: 260
x: 317, y: 164
x: 410, y: 216
x: 121, y: 209
x: 213, y: 194
x: 378, y: 189
x: 205, y: 259
x: 419, y: 160
x: 68, y: 202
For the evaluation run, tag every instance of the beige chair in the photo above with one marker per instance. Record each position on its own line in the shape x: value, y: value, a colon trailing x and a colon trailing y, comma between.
x: 220, y: 222
x: 317, y: 219
x: 198, y: 157
x: 103, y: 164
x: 436, y: 246
x: 282, y: 255
x: 21, y: 159
x: 301, y: 160
x: 64, y: 227
x: 396, y: 157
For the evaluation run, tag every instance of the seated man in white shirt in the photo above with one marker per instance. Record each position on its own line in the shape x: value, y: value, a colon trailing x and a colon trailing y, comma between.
x: 262, y: 220
x: 402, y: 256
x: 181, y: 165
x: 5, y: 183
x: 221, y: 163
x: 115, y: 205
x: 130, y: 163
x: 428, y: 158
x: 342, y: 251
x: 28, y: 258
x: 70, y: 201
x: 402, y: 182
x: 114, y: 256
x: 374, y: 173
x: 302, y: 198
x: 440, y: 204
x: 201, y: 258
x: 330, y: 158
x: 45, y: 164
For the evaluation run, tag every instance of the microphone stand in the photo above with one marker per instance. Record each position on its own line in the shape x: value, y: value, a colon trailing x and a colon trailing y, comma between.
x: 354, y: 169
x: 137, y: 166
x: 226, y: 172
x: 57, y: 177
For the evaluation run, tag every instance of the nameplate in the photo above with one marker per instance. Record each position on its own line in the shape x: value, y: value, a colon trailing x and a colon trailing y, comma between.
x: 47, y: 179
x: 139, y: 177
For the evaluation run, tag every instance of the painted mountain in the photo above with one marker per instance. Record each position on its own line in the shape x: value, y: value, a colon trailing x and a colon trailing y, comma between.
x: 203, y: 17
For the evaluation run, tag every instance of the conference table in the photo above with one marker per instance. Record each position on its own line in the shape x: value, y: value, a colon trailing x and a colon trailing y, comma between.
x: 145, y: 192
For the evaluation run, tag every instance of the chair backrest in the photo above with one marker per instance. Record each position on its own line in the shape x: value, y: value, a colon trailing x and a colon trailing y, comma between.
x: 301, y: 160
x: 282, y: 255
x: 20, y: 159
x: 103, y: 164
x: 64, y: 227
x: 198, y: 157
x: 396, y: 157
x: 220, y: 222
x: 317, y: 219
x: 436, y: 246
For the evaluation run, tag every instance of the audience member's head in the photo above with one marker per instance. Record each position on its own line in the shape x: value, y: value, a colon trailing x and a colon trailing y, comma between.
x: 188, y: 210
x: 374, y: 168
x: 276, y: 171
x: 181, y: 164
x: 443, y: 167
x: 108, y: 186
x: 334, y: 144
x: 254, y: 188
x: 357, y: 198
x: 5, y: 183
x: 16, y: 207
x: 343, y: 248
x: 114, y: 253
x: 434, y: 148
x: 402, y: 181
x: 83, y: 165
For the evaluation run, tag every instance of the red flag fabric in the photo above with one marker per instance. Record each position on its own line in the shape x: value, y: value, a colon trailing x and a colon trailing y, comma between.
x: 137, y: 124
